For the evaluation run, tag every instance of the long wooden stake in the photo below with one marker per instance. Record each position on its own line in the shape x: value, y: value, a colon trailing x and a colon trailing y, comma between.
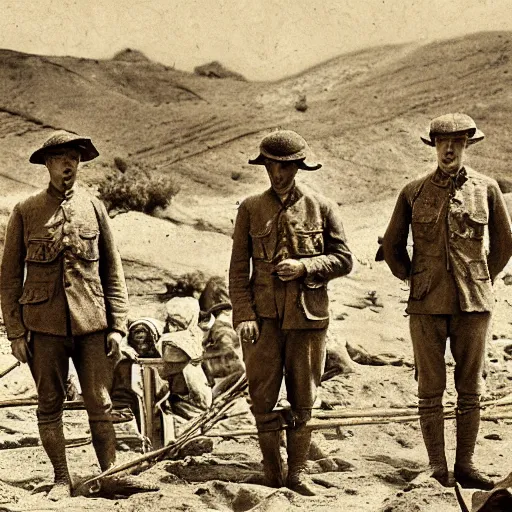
x: 9, y: 369
x: 194, y: 429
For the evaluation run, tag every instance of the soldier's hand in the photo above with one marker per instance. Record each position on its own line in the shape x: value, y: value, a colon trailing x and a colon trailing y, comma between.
x: 114, y: 339
x: 289, y: 269
x: 20, y: 350
x: 248, y: 331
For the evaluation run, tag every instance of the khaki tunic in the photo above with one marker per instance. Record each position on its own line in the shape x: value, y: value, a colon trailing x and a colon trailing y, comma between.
x: 61, y: 272
x: 452, y: 267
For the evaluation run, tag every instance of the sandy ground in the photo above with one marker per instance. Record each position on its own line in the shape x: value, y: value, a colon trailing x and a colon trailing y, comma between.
x: 382, y: 464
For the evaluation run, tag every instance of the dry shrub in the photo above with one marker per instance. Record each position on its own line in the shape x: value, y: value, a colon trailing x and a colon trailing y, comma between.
x: 137, y: 189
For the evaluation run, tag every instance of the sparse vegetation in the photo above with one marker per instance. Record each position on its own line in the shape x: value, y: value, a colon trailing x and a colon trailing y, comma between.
x: 136, y: 188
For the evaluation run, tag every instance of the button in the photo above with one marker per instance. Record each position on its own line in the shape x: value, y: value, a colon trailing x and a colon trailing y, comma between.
x: 65, y: 241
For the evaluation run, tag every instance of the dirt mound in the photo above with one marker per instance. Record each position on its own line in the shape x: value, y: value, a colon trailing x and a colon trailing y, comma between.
x: 215, y: 69
x: 129, y: 55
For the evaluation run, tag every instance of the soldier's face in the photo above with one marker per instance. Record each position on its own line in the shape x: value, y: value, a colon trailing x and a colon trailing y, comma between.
x: 450, y: 153
x: 62, y: 164
x: 281, y: 174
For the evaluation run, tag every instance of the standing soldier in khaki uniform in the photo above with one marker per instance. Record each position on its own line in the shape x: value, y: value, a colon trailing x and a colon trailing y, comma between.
x: 64, y: 295
x: 295, y: 243
x: 451, y: 277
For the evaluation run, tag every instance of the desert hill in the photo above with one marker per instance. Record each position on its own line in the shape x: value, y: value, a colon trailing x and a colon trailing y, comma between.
x: 366, y: 112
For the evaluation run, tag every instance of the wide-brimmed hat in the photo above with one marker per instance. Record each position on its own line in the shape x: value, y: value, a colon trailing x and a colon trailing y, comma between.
x: 285, y: 146
x: 500, y: 498
x: 61, y: 139
x: 453, y: 124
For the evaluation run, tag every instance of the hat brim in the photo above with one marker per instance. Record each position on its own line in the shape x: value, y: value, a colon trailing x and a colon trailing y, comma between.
x: 473, y: 139
x: 84, y: 145
x: 476, y: 501
x: 301, y: 163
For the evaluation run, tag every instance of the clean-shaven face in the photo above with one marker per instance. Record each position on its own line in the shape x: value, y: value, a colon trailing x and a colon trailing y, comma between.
x: 450, y: 152
x: 281, y: 174
x: 62, y: 164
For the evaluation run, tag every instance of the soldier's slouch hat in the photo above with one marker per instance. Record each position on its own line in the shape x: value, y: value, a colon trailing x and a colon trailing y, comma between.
x: 453, y: 124
x: 61, y: 139
x: 499, y: 498
x: 285, y: 146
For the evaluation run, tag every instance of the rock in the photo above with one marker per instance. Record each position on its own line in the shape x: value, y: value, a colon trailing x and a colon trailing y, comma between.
x: 493, y: 437
x: 301, y: 104
x: 215, y: 69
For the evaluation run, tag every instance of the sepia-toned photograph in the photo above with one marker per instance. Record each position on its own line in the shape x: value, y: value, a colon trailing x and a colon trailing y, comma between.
x: 256, y: 256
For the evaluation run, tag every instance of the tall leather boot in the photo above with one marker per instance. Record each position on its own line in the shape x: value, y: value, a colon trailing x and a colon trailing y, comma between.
x: 432, y: 429
x: 54, y: 444
x: 298, y: 441
x: 465, y: 473
x: 272, y: 461
x: 104, y: 443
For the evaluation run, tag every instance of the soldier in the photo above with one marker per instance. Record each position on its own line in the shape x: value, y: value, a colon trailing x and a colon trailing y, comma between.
x: 64, y: 295
x: 451, y: 278
x: 295, y: 243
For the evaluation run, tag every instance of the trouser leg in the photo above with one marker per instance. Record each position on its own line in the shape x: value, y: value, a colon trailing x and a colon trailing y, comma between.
x: 95, y: 372
x: 49, y: 366
x: 468, y: 336
x: 304, y: 366
x: 429, y: 334
x: 264, y: 370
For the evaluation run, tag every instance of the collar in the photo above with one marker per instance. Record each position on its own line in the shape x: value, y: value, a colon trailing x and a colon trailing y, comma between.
x: 57, y: 194
x: 443, y: 179
x: 294, y: 195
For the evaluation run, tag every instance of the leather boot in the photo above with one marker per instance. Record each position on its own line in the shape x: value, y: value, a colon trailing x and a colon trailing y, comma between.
x: 272, y: 461
x: 432, y: 429
x: 465, y: 473
x: 298, y: 441
x: 54, y: 444
x: 104, y: 443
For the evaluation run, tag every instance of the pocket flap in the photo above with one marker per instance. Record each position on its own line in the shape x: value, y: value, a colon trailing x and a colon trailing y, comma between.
x: 261, y: 233
x: 42, y: 250
x: 314, y: 302
x: 34, y: 295
x: 88, y: 234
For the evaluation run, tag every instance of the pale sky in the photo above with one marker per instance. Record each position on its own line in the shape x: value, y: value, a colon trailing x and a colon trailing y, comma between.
x: 262, y: 39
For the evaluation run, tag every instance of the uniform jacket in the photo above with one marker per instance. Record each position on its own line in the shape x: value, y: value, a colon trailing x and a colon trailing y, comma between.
x: 59, y: 258
x: 306, y: 227
x: 462, y: 240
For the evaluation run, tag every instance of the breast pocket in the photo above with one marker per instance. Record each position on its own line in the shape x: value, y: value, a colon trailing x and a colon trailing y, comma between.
x: 308, y: 242
x: 88, y: 249
x: 423, y: 224
x: 261, y: 243
x: 42, y: 250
